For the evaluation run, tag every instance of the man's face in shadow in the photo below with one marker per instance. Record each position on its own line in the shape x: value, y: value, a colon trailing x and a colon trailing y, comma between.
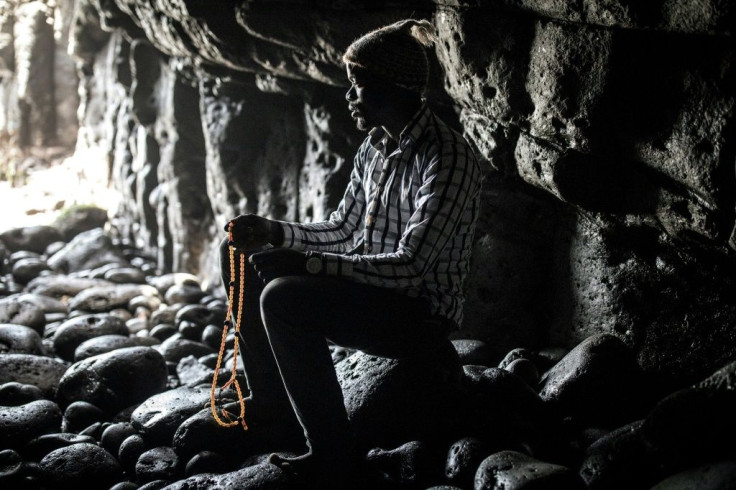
x: 369, y: 98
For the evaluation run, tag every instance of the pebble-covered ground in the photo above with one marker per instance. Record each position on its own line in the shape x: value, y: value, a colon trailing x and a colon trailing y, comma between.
x: 106, y: 366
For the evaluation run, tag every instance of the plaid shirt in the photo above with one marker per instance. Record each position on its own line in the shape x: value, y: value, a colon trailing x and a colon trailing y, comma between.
x: 407, y: 219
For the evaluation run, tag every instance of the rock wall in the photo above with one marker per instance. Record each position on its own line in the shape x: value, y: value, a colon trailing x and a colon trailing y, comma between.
x: 38, y: 79
x: 606, y: 129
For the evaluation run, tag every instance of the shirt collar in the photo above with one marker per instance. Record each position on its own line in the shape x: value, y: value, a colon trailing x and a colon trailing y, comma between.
x: 410, y: 134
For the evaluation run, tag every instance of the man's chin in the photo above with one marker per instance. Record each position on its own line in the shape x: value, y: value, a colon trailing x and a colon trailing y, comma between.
x: 362, y: 124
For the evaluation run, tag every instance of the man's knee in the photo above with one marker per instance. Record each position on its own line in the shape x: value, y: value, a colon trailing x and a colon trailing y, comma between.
x: 277, y: 294
x: 285, y: 298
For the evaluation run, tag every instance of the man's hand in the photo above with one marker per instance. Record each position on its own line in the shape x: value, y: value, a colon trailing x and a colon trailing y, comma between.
x: 279, y: 262
x: 251, y: 231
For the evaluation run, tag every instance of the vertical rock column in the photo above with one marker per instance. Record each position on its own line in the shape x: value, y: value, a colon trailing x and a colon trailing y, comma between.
x: 34, y: 60
x: 8, y: 104
x: 65, y: 76
x: 181, y: 171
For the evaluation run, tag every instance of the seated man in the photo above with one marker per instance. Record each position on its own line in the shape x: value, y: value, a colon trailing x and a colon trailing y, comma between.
x: 384, y: 273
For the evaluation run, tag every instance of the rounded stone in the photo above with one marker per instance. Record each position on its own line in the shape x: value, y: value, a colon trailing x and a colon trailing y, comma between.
x: 163, y: 331
x: 115, y: 380
x: 174, y: 349
x: 713, y: 475
x: 37, y: 448
x: 108, y: 343
x: 526, y: 370
x: 21, y: 312
x: 106, y: 298
x: 159, y: 463
x: 151, y: 303
x: 206, y: 462
x: 53, y: 248
x: 155, y: 485
x: 255, y: 477
x: 125, y: 275
x: 515, y: 354
x: 599, y: 382
x: 463, y: 459
x: 87, y: 250
x: 166, y: 314
x: 19, y: 339
x: 74, y: 332
x: 30, y: 238
x: 166, y: 281
x: 185, y: 293
x: 130, y: 450
x: 509, y: 469
x: 410, y: 464
x: 25, y: 270
x: 137, y: 325
x: 25, y: 422
x: 191, y: 372
x: 190, y: 331
x: 14, y: 394
x: 473, y: 352
x: 197, y: 314
x: 80, y: 415
x: 79, y: 219
x: 10, y: 464
x: 390, y: 401
x: 125, y: 485
x: 158, y: 418
x: 79, y: 464
x: 47, y: 304
x: 42, y: 372
x: 212, y: 336
x: 114, y: 435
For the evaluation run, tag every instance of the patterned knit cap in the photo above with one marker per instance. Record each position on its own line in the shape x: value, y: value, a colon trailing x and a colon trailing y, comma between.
x: 395, y: 53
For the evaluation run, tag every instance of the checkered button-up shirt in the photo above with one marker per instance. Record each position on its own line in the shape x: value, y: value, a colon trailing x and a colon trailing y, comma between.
x: 407, y: 218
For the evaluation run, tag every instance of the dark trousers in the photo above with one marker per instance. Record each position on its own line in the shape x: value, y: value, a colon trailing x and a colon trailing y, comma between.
x: 300, y: 315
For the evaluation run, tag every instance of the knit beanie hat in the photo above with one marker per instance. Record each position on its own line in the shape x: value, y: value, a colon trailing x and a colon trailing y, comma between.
x: 396, y: 53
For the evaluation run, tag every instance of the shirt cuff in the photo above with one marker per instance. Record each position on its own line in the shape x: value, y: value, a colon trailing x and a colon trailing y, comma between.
x: 290, y: 234
x: 336, y: 264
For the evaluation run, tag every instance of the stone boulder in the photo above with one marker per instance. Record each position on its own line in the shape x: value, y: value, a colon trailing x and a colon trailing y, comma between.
x: 60, y: 285
x: 25, y: 270
x: 23, y: 423
x: 414, y: 464
x: 474, y: 352
x: 36, y: 449
x: 78, y: 465
x: 42, y: 372
x: 73, y: 332
x: 107, y: 298
x: 109, y: 343
x: 262, y: 476
x: 78, y: 219
x: 19, y: 339
x: 619, y: 459
x: 463, y: 459
x: 515, y: 471
x: 158, y: 463
x: 114, y: 380
x: 599, y: 381
x: 13, y: 394
x: 32, y: 238
x: 87, y: 250
x: 391, y: 401
x: 715, y: 475
x: 21, y: 312
x: 158, y: 418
